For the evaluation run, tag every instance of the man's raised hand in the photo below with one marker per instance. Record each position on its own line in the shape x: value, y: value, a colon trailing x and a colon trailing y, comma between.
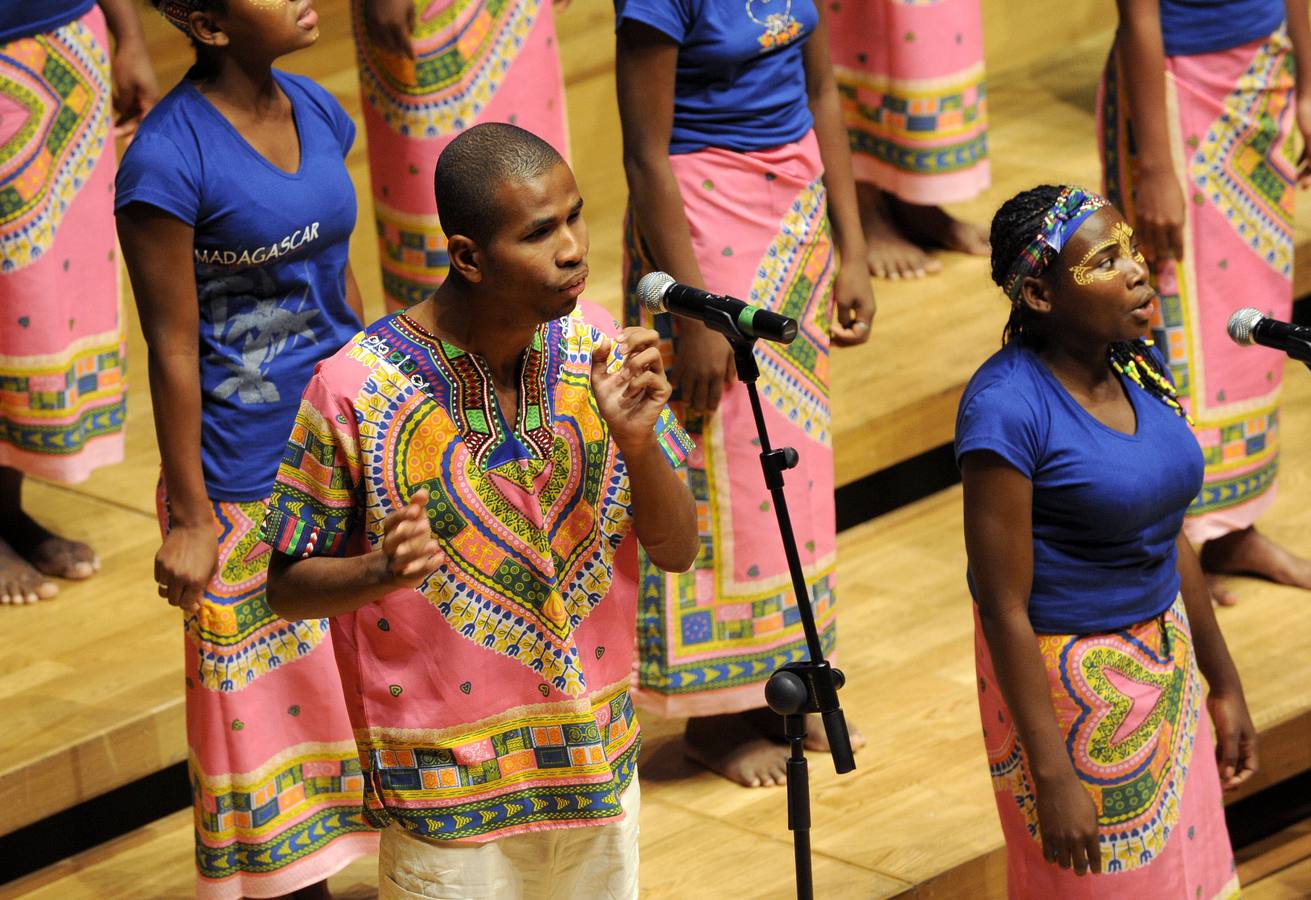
x: 409, y: 552
x: 631, y: 397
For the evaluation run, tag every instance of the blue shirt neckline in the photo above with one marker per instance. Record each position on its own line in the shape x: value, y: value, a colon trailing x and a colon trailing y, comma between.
x: 211, y: 109
x: 1131, y: 391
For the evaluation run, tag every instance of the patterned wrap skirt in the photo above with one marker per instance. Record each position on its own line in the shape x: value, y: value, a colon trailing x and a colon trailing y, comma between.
x: 475, y: 61
x: 275, y: 776
x: 708, y: 639
x: 1231, y: 121
x: 1129, y: 705
x: 62, y: 345
x: 911, y: 78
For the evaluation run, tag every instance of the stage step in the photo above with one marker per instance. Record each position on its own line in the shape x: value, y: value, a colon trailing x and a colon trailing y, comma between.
x: 90, y: 682
x: 1283, y: 859
x: 1292, y: 883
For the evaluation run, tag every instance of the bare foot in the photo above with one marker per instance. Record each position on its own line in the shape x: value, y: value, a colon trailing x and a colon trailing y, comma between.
x: 1219, y: 590
x: 1249, y: 552
x: 728, y: 745
x: 49, y: 553
x: 817, y: 738
x: 19, y: 582
x: 770, y: 724
x: 933, y: 226
x: 317, y: 891
x: 891, y: 256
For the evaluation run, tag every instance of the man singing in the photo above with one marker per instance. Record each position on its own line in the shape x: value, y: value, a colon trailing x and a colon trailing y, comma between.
x: 459, y: 481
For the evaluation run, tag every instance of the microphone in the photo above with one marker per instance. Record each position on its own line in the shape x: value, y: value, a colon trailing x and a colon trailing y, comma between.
x: 732, y: 318
x: 1248, y: 326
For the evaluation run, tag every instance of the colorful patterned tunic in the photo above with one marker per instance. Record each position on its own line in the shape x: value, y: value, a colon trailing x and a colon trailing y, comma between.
x: 494, y: 699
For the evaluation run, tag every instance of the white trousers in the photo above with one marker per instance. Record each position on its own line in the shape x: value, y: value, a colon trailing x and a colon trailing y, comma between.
x: 596, y: 862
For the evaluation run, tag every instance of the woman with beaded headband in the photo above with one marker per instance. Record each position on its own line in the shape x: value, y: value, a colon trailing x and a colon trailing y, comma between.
x: 1199, y: 105
x: 235, y: 211
x: 1093, y: 624
x: 740, y: 182
x: 63, y: 393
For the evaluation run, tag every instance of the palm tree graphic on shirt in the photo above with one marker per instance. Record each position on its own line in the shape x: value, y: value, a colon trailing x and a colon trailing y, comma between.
x: 251, y: 317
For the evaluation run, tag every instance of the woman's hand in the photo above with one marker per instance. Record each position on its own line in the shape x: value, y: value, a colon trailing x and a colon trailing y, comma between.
x: 1159, y: 215
x: 390, y: 25
x: 1235, y: 737
x: 1067, y: 821
x: 135, y: 87
x: 185, y: 563
x: 703, y: 365
x: 853, y: 300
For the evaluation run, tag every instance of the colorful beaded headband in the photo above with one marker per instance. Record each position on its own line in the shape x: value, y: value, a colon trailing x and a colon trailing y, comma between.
x: 1061, y: 221
x: 178, y: 12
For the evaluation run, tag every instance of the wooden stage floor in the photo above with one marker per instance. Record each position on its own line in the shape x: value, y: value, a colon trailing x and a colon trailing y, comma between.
x: 91, y: 683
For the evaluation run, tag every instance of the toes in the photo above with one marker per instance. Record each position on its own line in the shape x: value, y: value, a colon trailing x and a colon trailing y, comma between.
x: 61, y: 558
x: 46, y: 589
x: 82, y: 569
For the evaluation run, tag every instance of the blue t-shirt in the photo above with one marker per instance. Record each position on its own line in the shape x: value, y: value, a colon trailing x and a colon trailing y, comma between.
x: 24, y: 18
x: 1193, y: 27
x: 270, y: 253
x: 1107, y: 506
x: 740, y: 83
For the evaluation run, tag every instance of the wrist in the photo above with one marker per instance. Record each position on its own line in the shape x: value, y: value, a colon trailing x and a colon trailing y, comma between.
x: 1050, y: 780
x: 378, y: 570
x: 638, y: 449
x: 1051, y: 770
x: 1224, y: 684
x: 853, y: 251
x: 1156, y: 167
x: 687, y: 327
x: 125, y: 28
x: 186, y: 516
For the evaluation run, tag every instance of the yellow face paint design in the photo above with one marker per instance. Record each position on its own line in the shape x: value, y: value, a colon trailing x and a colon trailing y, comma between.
x: 1121, y: 236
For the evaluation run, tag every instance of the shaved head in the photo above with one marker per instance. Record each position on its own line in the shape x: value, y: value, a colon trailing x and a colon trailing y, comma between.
x: 472, y: 168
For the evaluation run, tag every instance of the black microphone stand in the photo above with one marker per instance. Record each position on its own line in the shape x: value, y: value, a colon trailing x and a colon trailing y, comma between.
x: 797, y: 688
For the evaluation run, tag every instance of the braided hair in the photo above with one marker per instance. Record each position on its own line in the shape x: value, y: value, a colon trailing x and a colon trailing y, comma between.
x: 206, y: 66
x: 1013, y: 228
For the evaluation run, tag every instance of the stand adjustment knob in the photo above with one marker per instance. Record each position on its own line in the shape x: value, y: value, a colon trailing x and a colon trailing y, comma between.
x: 780, y: 459
x: 786, y: 693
